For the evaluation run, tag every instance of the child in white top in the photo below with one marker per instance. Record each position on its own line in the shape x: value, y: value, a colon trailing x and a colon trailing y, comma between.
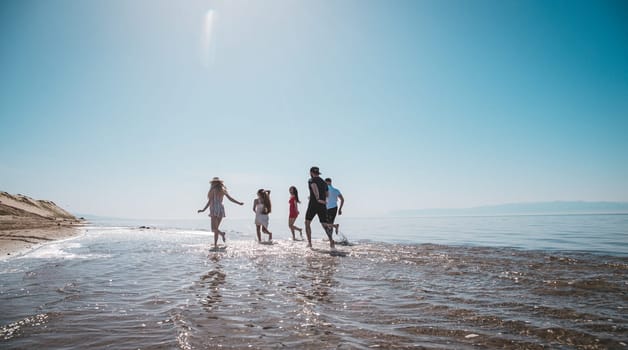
x: 262, y: 207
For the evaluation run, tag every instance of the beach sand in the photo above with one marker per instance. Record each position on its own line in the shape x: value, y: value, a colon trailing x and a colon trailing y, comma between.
x: 17, y: 242
x: 25, y: 223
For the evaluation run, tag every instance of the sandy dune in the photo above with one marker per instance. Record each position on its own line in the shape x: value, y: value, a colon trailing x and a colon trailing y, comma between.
x: 26, y: 222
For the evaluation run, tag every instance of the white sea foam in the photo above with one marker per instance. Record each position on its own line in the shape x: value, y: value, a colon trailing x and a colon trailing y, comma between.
x: 60, y: 250
x: 49, y: 251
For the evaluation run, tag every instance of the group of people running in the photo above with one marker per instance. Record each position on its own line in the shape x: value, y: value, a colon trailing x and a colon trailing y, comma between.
x: 323, y: 202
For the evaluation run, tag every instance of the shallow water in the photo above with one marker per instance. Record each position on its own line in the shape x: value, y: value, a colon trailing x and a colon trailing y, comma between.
x: 600, y: 234
x: 128, y: 288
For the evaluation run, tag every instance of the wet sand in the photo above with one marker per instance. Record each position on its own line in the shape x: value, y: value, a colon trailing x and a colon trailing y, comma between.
x: 17, y: 242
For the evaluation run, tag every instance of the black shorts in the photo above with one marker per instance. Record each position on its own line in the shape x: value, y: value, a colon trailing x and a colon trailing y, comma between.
x: 331, y: 214
x: 315, y: 208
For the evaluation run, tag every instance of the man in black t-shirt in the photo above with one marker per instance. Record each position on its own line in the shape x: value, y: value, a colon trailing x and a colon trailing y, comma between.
x: 317, y: 205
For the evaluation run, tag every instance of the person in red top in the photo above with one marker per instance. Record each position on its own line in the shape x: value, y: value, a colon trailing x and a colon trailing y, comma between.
x: 294, y: 212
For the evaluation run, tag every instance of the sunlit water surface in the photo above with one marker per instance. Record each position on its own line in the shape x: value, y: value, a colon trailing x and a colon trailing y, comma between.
x: 436, y: 283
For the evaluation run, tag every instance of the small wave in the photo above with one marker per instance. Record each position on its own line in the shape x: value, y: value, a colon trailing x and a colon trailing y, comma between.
x: 60, y: 251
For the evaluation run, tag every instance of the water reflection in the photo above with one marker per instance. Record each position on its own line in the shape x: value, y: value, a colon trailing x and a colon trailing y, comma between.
x: 283, y: 295
x: 319, y: 275
x: 212, y: 281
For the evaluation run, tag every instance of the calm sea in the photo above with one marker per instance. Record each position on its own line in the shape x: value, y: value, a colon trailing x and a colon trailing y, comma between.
x: 514, y: 282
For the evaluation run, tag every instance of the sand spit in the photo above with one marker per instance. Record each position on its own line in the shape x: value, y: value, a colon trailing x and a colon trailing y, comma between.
x: 27, y: 222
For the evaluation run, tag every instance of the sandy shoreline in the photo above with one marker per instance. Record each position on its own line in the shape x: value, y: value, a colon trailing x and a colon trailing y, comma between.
x: 25, y: 223
x: 18, y: 242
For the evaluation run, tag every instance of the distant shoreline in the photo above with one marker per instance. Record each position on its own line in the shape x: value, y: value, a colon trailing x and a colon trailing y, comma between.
x: 501, y: 215
x: 533, y: 208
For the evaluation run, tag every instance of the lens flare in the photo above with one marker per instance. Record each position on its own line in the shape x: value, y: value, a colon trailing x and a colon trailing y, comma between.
x: 208, y: 26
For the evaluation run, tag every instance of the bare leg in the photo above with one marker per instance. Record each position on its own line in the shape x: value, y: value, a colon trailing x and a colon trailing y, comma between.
x: 300, y: 230
x: 215, y: 224
x: 334, y: 226
x: 291, y: 226
x: 308, y: 233
x: 259, y: 234
x: 270, y: 234
x: 329, y: 230
x: 221, y: 233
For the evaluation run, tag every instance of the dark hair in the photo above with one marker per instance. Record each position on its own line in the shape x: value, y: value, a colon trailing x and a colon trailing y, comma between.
x: 265, y: 200
x: 295, y: 192
x: 328, y: 179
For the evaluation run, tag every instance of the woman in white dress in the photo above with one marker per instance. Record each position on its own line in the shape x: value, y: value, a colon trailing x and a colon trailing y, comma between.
x: 262, y: 207
x: 215, y: 196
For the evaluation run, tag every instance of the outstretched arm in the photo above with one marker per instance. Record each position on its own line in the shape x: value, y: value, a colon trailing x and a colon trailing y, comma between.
x: 233, y: 200
x: 202, y: 210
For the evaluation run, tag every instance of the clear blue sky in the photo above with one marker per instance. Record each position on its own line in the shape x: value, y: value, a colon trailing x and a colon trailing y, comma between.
x: 128, y: 108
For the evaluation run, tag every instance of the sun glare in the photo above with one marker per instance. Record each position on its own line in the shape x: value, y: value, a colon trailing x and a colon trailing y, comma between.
x: 208, y: 25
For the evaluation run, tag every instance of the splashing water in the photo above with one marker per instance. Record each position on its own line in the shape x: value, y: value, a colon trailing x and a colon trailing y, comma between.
x: 163, y: 288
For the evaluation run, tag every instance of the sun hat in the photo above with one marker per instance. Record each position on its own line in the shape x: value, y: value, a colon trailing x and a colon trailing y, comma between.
x: 315, y: 170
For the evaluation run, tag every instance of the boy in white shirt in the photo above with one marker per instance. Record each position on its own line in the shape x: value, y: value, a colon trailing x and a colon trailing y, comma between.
x: 333, y: 195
